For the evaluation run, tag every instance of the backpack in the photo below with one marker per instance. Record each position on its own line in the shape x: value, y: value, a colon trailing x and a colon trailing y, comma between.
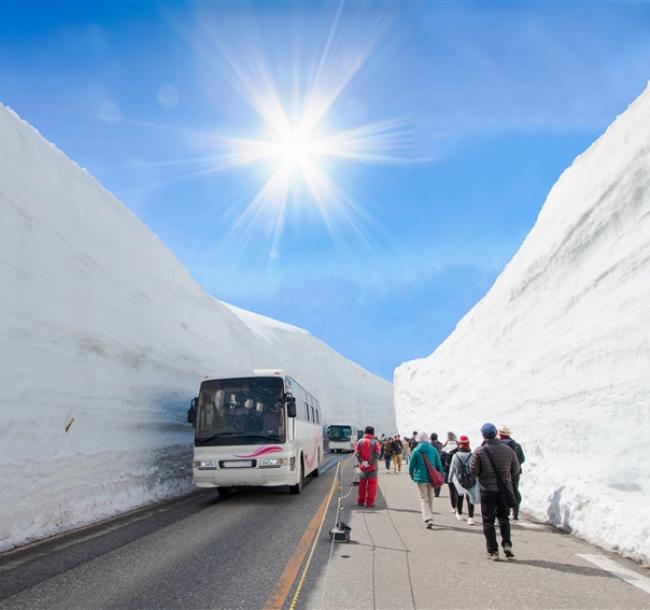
x: 466, y: 479
x: 516, y: 447
x: 520, y: 453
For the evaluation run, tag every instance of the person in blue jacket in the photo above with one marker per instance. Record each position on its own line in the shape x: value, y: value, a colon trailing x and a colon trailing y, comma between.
x: 420, y: 475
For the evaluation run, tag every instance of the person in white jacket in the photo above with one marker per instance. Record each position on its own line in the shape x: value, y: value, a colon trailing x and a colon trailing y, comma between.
x: 459, y: 474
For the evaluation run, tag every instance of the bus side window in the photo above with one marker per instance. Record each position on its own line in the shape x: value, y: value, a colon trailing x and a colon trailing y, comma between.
x: 317, y: 417
x: 307, y: 411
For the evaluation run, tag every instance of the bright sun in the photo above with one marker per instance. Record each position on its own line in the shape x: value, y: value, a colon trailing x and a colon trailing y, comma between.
x: 295, y: 149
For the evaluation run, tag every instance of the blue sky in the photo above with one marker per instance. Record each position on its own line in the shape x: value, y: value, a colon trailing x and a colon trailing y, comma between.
x: 492, y: 101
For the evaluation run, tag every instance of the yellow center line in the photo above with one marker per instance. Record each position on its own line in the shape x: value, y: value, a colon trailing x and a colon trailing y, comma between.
x: 288, y: 577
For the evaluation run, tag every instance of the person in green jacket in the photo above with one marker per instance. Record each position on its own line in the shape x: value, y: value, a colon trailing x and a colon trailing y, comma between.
x: 420, y: 475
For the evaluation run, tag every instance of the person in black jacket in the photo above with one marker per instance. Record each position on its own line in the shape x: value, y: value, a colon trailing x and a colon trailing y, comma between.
x: 398, y: 450
x: 504, y: 436
x: 495, y: 465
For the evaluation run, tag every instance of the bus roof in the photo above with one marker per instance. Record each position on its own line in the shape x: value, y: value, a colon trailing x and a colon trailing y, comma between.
x: 254, y: 373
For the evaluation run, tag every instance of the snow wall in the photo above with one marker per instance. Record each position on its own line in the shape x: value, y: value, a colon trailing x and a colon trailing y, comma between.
x: 105, y: 333
x: 559, y: 349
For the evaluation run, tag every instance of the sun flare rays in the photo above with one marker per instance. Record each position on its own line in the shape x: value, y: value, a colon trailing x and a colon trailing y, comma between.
x: 298, y: 138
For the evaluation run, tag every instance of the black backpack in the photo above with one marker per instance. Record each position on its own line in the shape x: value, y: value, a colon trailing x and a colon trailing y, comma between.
x: 466, y: 479
x: 516, y: 447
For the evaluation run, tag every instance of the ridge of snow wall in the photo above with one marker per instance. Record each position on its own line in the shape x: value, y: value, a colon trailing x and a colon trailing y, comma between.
x: 559, y: 349
x: 104, y: 331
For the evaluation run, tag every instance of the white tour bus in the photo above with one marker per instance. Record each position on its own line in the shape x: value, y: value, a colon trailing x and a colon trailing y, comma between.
x: 341, y: 437
x: 260, y: 429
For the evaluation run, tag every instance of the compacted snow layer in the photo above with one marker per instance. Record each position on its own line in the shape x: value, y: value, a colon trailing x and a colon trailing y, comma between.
x: 104, y: 339
x: 559, y: 349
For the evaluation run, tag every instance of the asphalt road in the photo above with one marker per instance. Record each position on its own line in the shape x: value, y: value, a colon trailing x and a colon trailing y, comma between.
x: 203, y: 551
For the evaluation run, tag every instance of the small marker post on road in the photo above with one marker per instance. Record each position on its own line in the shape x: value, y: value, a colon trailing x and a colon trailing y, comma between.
x: 341, y: 531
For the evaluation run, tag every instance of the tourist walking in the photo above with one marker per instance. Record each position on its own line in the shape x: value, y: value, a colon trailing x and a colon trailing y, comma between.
x: 367, y: 452
x: 388, y: 453
x: 437, y: 445
x: 407, y: 450
x: 398, y: 449
x: 413, y: 441
x: 464, y: 481
x: 495, y: 465
x: 506, y: 438
x: 446, y: 455
x: 419, y: 474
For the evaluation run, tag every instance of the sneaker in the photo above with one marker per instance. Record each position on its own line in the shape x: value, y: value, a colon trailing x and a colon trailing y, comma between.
x: 428, y: 524
x: 470, y: 521
x: 459, y: 516
x: 507, y: 550
x: 494, y: 556
x: 370, y: 505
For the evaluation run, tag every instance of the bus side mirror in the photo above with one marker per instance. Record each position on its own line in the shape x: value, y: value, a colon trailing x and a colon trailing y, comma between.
x: 191, y: 412
x: 290, y: 401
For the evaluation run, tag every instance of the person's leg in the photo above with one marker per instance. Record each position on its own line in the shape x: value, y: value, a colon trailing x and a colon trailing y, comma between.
x: 515, y: 486
x: 488, y: 512
x: 459, y: 503
x: 430, y: 499
x: 436, y: 491
x: 424, y: 503
x: 470, y: 509
x: 371, y: 494
x: 363, y: 490
x: 502, y: 511
x: 399, y: 462
x: 453, y: 495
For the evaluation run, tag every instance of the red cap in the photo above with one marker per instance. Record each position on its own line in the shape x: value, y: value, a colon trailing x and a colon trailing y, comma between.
x: 463, y: 440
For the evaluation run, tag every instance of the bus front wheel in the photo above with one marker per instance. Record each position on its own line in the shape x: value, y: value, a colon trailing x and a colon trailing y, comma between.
x: 297, y: 488
x: 316, y: 473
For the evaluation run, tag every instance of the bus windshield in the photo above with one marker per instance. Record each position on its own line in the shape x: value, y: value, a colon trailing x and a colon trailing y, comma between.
x: 246, y: 411
x: 339, y: 433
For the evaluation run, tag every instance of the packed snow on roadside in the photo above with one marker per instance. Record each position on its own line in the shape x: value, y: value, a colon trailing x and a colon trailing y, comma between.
x: 104, y: 339
x: 559, y: 349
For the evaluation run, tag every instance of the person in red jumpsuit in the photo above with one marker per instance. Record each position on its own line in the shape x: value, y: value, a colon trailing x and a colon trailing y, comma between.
x: 367, y: 452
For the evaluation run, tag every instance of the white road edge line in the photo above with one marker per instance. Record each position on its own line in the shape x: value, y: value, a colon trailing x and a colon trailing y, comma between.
x: 629, y: 576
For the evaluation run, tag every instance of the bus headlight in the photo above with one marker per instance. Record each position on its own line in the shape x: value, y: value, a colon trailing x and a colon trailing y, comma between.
x: 273, y: 462
x: 205, y: 464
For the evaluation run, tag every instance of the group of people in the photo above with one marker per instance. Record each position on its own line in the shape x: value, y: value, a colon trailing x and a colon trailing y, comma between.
x: 394, y: 450
x: 488, y: 476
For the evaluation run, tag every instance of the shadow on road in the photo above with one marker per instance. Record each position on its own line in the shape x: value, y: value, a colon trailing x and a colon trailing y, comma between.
x: 565, y: 568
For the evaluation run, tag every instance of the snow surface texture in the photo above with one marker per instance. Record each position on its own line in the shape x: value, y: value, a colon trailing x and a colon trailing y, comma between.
x: 559, y: 349
x: 104, y: 333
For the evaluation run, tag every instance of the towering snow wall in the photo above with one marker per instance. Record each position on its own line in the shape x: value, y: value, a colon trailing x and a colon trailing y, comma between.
x: 559, y: 349
x: 104, y: 338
